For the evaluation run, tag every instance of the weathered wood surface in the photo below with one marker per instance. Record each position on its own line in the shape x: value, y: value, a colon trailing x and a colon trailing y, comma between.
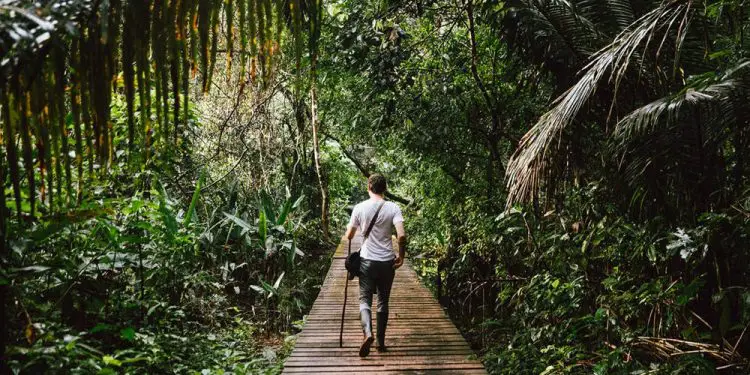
x: 420, y: 338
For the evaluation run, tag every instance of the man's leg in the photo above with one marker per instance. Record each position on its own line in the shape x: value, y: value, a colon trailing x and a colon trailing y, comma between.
x: 384, y: 284
x: 366, y: 288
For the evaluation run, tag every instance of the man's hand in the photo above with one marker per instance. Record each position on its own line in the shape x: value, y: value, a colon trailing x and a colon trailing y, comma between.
x: 401, y: 254
x: 398, y: 262
x: 348, y: 234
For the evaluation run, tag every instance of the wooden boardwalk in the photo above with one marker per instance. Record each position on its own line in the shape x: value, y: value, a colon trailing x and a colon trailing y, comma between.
x: 420, y: 338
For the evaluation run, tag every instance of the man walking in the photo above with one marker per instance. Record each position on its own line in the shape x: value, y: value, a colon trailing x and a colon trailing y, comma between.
x: 378, y: 260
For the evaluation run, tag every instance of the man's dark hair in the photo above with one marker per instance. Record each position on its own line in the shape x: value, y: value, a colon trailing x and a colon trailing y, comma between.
x: 376, y: 183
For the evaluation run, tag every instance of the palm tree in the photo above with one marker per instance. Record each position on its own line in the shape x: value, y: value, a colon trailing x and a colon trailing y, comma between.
x: 668, y: 91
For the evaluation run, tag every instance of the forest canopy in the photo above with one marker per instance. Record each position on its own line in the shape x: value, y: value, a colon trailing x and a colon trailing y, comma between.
x: 572, y: 174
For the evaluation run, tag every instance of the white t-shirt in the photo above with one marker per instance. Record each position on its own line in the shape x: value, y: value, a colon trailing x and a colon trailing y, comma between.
x: 378, y: 246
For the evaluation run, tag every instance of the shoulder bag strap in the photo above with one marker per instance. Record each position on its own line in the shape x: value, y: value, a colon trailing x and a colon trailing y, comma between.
x: 374, y: 219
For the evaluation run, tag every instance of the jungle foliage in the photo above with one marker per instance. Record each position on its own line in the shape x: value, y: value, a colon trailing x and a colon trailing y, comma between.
x: 618, y: 128
x: 128, y: 243
x: 572, y: 174
x: 160, y: 271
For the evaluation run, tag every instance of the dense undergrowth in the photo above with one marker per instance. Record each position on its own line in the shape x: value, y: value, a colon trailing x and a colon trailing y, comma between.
x: 150, y: 274
x: 139, y: 287
x: 579, y: 200
x: 573, y: 175
x: 585, y: 290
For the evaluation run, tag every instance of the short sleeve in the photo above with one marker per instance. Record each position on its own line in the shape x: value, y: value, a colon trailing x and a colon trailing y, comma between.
x: 354, y: 221
x: 397, y: 216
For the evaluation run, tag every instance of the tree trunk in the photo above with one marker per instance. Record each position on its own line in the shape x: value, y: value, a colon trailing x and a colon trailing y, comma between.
x: 316, y: 148
x: 4, y: 255
x: 491, y: 167
x: 495, y: 130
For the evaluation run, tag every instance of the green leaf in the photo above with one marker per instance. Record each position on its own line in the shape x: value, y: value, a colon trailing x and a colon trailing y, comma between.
x: 258, y: 289
x: 103, y: 327
x: 168, y: 217
x: 134, y: 360
x: 111, y: 361
x: 242, y: 223
x: 298, y: 202
x: 268, y: 288
x: 32, y: 269
x: 127, y: 334
x: 194, y: 200
x: 284, y: 212
x: 652, y: 255
x: 268, y: 208
x: 278, y: 281
x: 262, y: 228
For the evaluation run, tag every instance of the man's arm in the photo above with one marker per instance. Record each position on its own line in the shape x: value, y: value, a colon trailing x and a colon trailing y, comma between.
x: 350, y: 231
x: 401, y: 235
x: 351, y: 228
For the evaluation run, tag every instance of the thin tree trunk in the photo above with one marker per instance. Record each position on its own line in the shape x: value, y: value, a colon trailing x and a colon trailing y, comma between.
x: 4, y: 302
x: 493, y: 160
x: 475, y: 72
x: 495, y: 130
x: 316, y: 148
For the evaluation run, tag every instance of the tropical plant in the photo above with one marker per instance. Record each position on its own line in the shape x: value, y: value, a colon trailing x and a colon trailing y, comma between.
x: 669, y: 103
x: 160, y: 227
x: 72, y: 57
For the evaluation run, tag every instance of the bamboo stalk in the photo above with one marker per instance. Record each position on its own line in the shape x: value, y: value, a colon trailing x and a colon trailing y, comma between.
x: 241, y: 5
x: 75, y: 102
x: 63, y: 129
x: 51, y: 117
x: 174, y: 64
x: 215, y: 19
x: 129, y: 75
x: 23, y: 109
x: 229, y: 15
x: 204, y: 22
x: 9, y: 136
x: 84, y: 83
x: 38, y: 107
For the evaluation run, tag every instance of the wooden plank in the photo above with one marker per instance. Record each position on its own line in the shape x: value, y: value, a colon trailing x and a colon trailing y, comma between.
x: 416, y: 328
x: 421, y: 339
x: 378, y: 360
x: 354, y: 341
x: 393, y: 372
x: 396, y: 352
x: 396, y: 348
x: 447, y: 368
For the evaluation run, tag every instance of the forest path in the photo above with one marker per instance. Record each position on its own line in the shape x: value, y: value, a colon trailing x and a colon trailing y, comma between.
x: 420, y: 337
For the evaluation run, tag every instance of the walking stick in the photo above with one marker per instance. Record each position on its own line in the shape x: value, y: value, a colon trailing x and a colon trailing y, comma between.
x: 346, y: 293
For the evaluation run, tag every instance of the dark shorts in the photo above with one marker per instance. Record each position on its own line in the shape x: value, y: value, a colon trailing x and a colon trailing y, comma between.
x: 374, y: 275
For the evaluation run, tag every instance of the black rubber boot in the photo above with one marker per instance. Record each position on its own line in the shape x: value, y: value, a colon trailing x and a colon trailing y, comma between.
x: 366, y: 318
x: 382, y: 324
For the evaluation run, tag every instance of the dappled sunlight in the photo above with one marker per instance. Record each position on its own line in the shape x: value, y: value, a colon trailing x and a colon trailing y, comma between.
x: 566, y: 187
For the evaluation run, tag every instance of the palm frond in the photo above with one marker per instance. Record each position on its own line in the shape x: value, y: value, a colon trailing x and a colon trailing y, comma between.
x: 531, y: 163
x: 68, y: 57
x: 667, y: 138
x: 612, y: 16
x: 551, y: 34
x: 702, y: 96
x: 561, y: 35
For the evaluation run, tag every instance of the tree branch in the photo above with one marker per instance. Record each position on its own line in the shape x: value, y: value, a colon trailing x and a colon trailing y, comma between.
x: 365, y: 172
